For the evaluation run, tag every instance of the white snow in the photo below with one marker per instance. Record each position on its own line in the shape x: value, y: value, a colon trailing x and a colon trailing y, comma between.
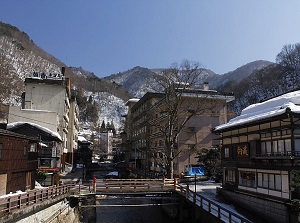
x: 270, y: 108
x: 82, y: 139
x: 114, y: 173
x: 15, y: 124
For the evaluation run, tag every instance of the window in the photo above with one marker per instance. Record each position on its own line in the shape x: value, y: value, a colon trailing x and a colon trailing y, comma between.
x: 269, y: 181
x: 32, y: 147
x: 226, y: 152
x: 247, y: 179
x: 230, y: 175
x: 276, y: 147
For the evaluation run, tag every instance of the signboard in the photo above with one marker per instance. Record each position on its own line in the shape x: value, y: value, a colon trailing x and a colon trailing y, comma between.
x: 53, y: 151
x: 44, y: 75
x: 242, y: 150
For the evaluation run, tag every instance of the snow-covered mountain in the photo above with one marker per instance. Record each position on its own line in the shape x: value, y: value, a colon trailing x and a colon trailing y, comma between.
x: 20, y: 56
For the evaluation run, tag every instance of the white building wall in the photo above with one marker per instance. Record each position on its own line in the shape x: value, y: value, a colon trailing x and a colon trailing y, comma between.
x: 47, y: 119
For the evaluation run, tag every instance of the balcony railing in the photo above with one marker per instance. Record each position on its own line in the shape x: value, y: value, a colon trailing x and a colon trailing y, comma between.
x: 279, y: 155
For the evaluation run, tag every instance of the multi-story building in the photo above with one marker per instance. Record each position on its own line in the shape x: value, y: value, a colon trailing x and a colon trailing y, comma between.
x: 138, y: 129
x: 47, y: 102
x: 149, y: 117
x: 260, y: 152
x: 73, y: 129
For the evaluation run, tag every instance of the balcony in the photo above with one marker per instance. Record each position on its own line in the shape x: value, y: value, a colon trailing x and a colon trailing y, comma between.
x: 287, y: 155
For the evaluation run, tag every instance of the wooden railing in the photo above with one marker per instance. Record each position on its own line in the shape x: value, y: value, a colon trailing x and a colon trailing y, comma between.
x: 210, y: 206
x: 17, y: 201
x: 135, y: 185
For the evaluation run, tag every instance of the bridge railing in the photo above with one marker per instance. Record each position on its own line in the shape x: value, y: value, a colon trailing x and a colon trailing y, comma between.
x: 10, y: 202
x: 210, y: 206
x: 135, y: 185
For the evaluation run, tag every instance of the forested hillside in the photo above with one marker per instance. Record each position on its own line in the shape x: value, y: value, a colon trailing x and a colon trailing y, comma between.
x: 104, y: 98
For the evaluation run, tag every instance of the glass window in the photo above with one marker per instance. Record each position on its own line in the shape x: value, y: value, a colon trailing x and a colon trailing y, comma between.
x: 287, y: 145
x: 230, y: 175
x: 274, y: 147
x: 268, y: 147
x: 247, y: 179
x: 280, y: 146
x: 33, y: 147
x: 226, y: 152
x: 271, y: 181
x: 265, y: 180
x: 297, y: 145
x: 259, y: 179
x: 277, y: 182
x: 263, y: 147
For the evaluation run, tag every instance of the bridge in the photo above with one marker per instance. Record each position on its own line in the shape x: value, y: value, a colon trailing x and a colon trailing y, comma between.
x: 16, y: 202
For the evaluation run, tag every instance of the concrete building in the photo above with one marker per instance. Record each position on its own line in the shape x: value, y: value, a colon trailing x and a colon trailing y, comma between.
x: 261, y: 157
x: 149, y: 117
x: 73, y: 129
x: 47, y: 102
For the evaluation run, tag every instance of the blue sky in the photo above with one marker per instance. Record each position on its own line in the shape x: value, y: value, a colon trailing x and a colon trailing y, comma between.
x: 110, y: 36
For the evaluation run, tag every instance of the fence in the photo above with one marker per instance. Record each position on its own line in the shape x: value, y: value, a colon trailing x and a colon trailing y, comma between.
x: 17, y: 201
x: 210, y: 206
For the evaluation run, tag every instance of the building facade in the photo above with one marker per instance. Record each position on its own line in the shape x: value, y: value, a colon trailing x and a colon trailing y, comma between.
x: 149, y: 117
x: 18, y: 162
x: 260, y: 152
x: 47, y: 102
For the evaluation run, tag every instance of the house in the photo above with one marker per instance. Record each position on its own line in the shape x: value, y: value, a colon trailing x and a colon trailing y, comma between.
x: 149, y: 117
x: 49, y: 146
x: 260, y: 150
x: 18, y: 162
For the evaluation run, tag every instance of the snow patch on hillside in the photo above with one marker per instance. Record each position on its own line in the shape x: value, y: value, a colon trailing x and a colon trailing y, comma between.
x: 110, y: 107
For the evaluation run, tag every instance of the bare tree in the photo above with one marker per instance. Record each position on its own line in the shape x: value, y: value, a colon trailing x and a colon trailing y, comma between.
x: 11, y: 84
x: 182, y: 100
x: 289, y: 59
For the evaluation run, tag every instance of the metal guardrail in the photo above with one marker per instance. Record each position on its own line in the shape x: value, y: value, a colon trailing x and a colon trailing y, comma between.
x: 210, y: 206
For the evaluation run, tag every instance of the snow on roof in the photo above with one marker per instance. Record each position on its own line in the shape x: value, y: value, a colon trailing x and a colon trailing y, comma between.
x: 267, y: 109
x: 16, y: 124
x: 134, y: 100
x: 82, y: 139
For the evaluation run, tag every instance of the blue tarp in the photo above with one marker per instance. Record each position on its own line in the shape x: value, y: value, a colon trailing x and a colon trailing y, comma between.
x: 196, y: 170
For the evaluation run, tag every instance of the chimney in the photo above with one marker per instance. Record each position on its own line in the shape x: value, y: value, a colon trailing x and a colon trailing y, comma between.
x: 205, y: 86
x: 63, y: 69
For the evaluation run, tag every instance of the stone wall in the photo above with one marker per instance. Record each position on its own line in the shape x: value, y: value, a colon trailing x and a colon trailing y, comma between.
x: 42, y: 211
x: 270, y: 210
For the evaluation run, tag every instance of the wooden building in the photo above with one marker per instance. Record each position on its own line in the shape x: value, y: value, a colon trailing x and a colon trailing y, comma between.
x: 18, y: 162
x: 260, y: 152
x: 49, y: 147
